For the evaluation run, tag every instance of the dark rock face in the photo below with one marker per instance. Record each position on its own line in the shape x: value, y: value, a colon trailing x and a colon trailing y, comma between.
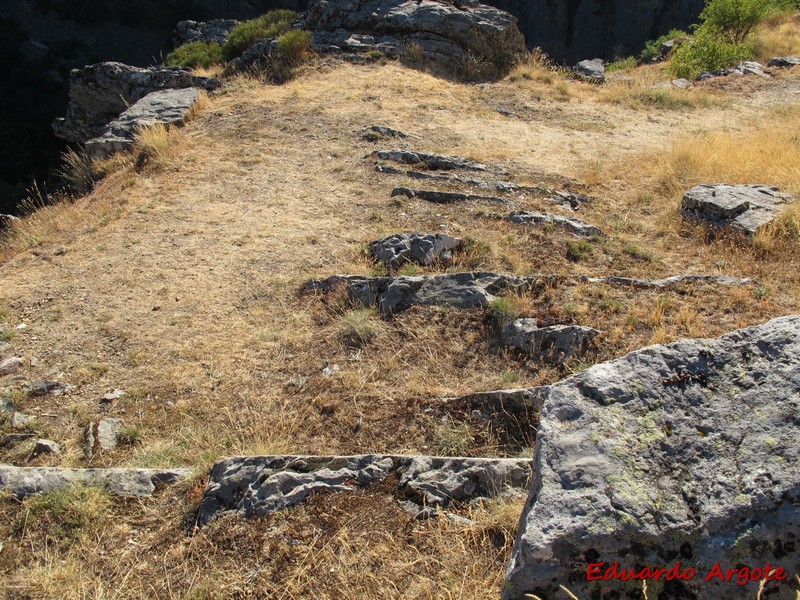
x: 572, y: 30
x: 682, y: 452
x: 216, y: 30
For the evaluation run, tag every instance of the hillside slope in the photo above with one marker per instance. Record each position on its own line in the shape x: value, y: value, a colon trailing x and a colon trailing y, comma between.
x: 179, y: 281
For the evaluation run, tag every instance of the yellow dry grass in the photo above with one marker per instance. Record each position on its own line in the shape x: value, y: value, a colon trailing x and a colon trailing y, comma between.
x: 178, y: 281
x: 779, y: 35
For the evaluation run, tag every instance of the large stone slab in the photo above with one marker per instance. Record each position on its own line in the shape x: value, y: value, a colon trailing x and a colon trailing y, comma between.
x: 260, y: 485
x: 443, y: 31
x: 742, y: 208
x: 429, y: 160
x: 784, y: 61
x: 687, y: 452
x: 591, y: 70
x: 99, y: 93
x: 164, y: 107
x: 25, y: 481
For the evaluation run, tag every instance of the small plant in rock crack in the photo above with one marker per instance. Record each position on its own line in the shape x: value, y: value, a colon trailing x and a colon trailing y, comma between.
x: 506, y: 308
x: 577, y: 251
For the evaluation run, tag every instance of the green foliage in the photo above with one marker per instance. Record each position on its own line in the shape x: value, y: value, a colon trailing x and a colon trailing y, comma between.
x: 195, y: 54
x: 708, y: 50
x: 268, y: 26
x: 293, y: 45
x: 621, y: 64
x: 130, y: 435
x: 736, y: 19
x: 504, y: 308
x: 652, y: 49
x: 576, y: 251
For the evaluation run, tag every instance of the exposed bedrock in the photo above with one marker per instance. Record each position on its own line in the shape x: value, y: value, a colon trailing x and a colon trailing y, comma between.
x: 682, y: 452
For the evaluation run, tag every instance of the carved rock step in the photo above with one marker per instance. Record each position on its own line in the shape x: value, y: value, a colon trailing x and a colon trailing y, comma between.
x: 446, y: 197
x: 743, y: 208
x: 260, y: 485
x: 24, y: 481
x: 575, y: 226
x: 681, y: 452
x: 429, y: 160
x: 469, y: 290
x: 567, y: 199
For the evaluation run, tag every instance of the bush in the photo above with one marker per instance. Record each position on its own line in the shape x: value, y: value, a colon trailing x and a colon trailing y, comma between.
x: 708, y: 50
x: 652, y: 49
x: 268, y: 26
x: 195, y: 54
x: 736, y: 19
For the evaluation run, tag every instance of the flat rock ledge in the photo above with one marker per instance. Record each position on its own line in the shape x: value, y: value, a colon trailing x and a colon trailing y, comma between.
x: 470, y: 290
x: 164, y: 107
x: 259, y: 485
x: 576, y: 227
x: 25, y: 481
x: 784, y: 62
x: 687, y: 452
x: 446, y: 197
x: 741, y: 208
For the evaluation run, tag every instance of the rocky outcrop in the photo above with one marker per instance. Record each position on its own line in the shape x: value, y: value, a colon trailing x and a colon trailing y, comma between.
x: 396, y: 250
x: 687, y: 452
x: 101, y: 435
x: 784, y: 62
x: 471, y: 290
x: 554, y: 344
x: 216, y: 30
x: 164, y: 107
x: 25, y: 481
x: 446, y: 32
x: 260, y: 485
x: 591, y: 70
x: 742, y: 208
x: 100, y: 93
x: 745, y: 68
x: 574, y: 226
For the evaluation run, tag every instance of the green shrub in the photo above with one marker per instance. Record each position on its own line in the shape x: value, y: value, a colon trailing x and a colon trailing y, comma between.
x: 621, y: 64
x: 293, y: 45
x: 652, y: 49
x: 195, y: 54
x: 708, y: 50
x: 736, y: 19
x: 268, y: 26
x: 576, y: 251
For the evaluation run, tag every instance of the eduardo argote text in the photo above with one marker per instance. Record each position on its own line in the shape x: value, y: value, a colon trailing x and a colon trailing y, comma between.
x: 741, y: 575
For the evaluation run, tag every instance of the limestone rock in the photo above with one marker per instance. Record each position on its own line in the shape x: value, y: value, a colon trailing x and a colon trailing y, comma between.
x: 745, y: 68
x: 164, y: 107
x: 101, y: 92
x: 46, y: 447
x: 101, y: 435
x: 259, y: 485
x: 429, y: 160
x: 396, y: 250
x: 591, y: 70
x: 376, y: 133
x: 10, y: 365
x: 575, y: 226
x: 252, y: 56
x: 216, y: 30
x: 742, y: 208
x: 554, y: 344
x: 784, y: 61
x: 682, y: 452
x: 19, y: 420
x: 7, y: 405
x: 25, y: 481
x: 42, y: 387
x: 443, y: 31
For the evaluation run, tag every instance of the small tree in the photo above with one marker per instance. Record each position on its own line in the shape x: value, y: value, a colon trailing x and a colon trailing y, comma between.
x: 736, y: 19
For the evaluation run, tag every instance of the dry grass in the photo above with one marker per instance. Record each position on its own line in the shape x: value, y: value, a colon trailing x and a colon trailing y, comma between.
x: 779, y: 35
x: 182, y: 278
